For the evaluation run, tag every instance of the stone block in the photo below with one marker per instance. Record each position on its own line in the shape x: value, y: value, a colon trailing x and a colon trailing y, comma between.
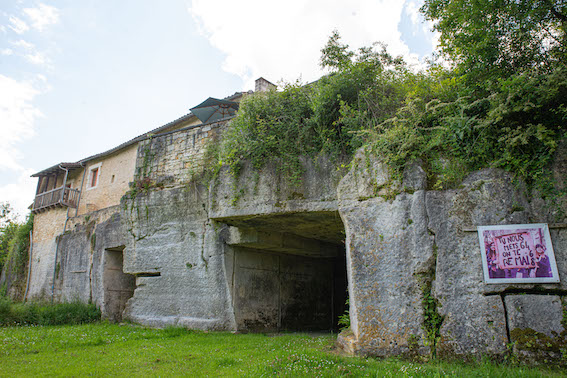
x: 541, y: 313
x: 389, y: 262
x: 536, y: 330
x: 473, y: 325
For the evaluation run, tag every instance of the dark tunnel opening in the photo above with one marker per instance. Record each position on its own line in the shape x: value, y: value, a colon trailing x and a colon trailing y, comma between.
x: 288, y: 272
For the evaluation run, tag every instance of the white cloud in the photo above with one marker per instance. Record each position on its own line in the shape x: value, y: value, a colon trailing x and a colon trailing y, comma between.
x: 282, y: 40
x: 412, y: 8
x: 18, y: 25
x: 18, y: 114
x: 24, y: 44
x: 36, y: 58
x: 31, y: 54
x: 42, y: 16
x: 17, y: 123
x: 17, y: 117
x: 20, y: 193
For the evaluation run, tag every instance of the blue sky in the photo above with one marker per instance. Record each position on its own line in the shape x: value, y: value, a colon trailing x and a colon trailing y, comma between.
x: 79, y: 77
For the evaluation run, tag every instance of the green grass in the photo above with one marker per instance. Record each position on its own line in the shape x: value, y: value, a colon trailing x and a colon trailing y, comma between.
x: 46, y: 313
x: 103, y: 349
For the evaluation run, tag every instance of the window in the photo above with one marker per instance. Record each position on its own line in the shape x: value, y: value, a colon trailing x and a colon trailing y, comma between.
x: 93, y: 176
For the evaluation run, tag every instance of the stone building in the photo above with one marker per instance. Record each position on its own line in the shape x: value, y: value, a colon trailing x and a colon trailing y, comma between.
x: 91, y: 188
x: 134, y: 232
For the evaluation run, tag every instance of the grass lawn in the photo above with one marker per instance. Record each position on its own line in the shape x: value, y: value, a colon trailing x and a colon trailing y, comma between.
x: 102, y: 349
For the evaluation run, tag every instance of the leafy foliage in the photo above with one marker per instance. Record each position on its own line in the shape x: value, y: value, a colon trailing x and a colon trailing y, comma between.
x: 503, y: 105
x: 14, y: 244
x: 271, y: 126
x: 517, y: 127
x: 320, y: 118
x: 493, y: 39
x: 432, y: 320
x: 344, y: 319
x: 7, y: 236
x: 6, y: 214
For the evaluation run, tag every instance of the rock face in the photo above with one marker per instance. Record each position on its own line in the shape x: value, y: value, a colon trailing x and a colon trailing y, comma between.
x: 536, y: 324
x: 256, y: 253
x: 176, y: 254
x: 390, y: 254
x: 84, y: 255
x: 413, y: 261
x: 525, y: 312
x: 473, y: 323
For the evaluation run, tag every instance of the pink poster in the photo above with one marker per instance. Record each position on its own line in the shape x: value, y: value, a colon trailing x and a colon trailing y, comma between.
x: 517, y: 253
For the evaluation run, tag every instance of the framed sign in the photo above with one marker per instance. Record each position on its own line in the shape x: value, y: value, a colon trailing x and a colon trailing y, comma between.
x: 517, y: 253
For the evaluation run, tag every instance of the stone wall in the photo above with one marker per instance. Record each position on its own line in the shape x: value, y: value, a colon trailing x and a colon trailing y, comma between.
x: 81, y: 256
x: 73, y: 253
x: 174, y: 158
x: 46, y: 227
x: 185, y: 147
x: 177, y: 244
x: 177, y: 256
x: 116, y: 172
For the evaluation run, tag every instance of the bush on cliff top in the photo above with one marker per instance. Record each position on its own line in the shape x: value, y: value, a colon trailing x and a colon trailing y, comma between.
x: 323, y: 117
x: 438, y: 115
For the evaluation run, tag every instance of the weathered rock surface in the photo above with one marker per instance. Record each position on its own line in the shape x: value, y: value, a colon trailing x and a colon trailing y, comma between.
x: 541, y: 313
x: 256, y: 192
x: 175, y: 252
x: 390, y: 258
x: 258, y: 253
x: 473, y: 323
x: 400, y: 235
x: 537, y: 332
x: 73, y: 275
x: 82, y: 258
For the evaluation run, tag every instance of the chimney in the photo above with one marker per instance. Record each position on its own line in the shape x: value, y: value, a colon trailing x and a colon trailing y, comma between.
x: 263, y: 85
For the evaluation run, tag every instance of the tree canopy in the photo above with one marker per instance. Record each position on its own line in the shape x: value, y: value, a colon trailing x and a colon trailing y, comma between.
x: 492, y: 39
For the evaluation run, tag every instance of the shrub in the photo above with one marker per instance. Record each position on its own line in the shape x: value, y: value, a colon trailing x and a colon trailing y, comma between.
x: 270, y: 127
x: 517, y: 127
x: 437, y: 116
x: 14, y: 244
x: 323, y: 117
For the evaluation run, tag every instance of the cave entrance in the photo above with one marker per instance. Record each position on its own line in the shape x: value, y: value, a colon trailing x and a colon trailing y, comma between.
x: 288, y: 272
x: 118, y: 286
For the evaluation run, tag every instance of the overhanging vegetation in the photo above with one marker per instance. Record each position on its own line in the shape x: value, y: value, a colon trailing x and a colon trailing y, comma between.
x: 455, y: 115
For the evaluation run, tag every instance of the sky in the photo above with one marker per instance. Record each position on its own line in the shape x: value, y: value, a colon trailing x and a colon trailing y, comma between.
x: 80, y: 77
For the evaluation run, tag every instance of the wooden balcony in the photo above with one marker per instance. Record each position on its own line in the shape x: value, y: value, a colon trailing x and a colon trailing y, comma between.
x: 57, y: 197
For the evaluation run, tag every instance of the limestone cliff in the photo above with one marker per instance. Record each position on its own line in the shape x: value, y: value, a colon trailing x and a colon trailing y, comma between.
x: 255, y: 253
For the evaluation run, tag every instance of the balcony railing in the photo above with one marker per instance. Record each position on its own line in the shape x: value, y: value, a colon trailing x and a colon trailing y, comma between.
x: 56, y: 197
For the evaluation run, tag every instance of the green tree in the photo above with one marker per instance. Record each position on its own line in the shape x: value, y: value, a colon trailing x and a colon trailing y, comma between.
x: 14, y: 239
x: 364, y: 88
x: 494, y: 39
x: 7, y: 214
